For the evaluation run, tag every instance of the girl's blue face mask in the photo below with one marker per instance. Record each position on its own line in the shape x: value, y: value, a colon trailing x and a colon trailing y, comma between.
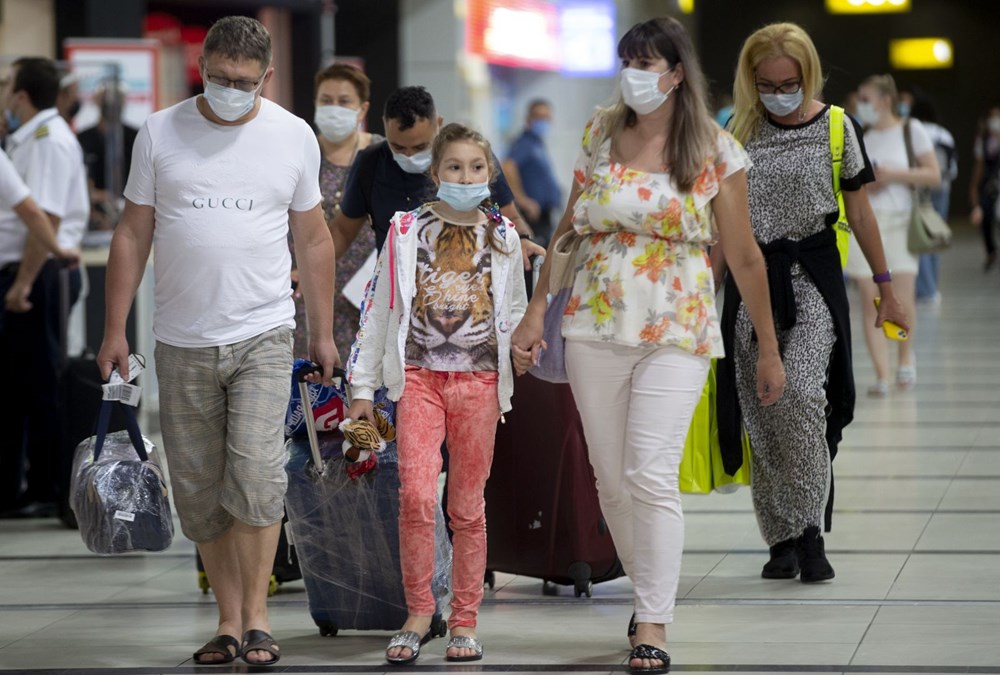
x: 463, y: 196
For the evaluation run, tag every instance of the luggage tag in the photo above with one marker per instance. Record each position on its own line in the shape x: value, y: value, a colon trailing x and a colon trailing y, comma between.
x: 117, y: 389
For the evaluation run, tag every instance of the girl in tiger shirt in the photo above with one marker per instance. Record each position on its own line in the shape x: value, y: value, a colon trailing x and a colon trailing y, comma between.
x: 445, y: 297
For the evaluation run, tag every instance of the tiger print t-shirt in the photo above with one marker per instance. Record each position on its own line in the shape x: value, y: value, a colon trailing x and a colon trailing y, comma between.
x: 451, y: 323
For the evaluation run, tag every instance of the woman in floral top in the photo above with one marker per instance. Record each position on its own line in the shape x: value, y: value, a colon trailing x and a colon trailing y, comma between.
x: 641, y: 324
x: 342, y: 98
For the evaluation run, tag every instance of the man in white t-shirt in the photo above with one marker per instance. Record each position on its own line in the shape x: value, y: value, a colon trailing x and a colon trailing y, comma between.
x: 15, y: 197
x: 215, y: 184
x: 46, y: 155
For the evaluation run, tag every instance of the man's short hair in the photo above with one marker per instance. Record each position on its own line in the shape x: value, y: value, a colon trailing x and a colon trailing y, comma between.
x: 239, y: 38
x: 535, y: 102
x: 408, y: 104
x: 38, y: 78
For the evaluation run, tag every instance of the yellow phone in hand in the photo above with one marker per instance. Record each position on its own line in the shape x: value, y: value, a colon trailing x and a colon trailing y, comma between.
x: 892, y: 331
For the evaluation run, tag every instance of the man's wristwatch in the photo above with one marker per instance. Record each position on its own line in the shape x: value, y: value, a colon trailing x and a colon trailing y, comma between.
x: 882, y: 277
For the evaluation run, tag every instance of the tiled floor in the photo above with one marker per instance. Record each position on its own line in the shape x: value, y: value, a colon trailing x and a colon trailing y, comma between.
x: 916, y: 546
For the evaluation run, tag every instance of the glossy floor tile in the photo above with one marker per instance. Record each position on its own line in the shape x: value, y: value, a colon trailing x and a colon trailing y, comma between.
x: 915, y: 544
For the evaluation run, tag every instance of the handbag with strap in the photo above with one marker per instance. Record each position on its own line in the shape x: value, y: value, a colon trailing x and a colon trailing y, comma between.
x: 551, y: 365
x: 118, y: 492
x: 928, y: 231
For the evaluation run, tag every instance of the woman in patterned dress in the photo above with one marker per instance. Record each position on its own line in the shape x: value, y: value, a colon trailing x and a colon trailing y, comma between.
x: 786, y: 132
x: 641, y: 324
x: 342, y: 100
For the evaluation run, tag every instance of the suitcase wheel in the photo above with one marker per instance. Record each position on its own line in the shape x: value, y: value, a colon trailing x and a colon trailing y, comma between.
x: 203, y: 583
x: 585, y: 588
x: 549, y: 588
x: 327, y: 628
x: 490, y: 579
x: 272, y: 585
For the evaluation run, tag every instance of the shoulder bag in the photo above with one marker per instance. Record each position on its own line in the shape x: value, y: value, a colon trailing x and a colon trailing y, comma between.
x: 551, y: 365
x: 928, y: 231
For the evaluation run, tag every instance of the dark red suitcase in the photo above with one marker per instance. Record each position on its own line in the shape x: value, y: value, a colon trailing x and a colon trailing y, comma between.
x: 542, y: 515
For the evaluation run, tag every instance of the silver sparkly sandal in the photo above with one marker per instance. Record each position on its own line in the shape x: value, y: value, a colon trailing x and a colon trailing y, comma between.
x: 465, y: 642
x: 410, y: 640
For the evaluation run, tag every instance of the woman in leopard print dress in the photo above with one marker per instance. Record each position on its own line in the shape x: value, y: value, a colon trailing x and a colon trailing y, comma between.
x: 786, y: 133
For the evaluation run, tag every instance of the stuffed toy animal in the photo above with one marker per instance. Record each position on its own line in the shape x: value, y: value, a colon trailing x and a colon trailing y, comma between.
x: 361, y: 439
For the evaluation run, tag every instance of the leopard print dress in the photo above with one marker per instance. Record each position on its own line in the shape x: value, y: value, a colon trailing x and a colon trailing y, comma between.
x: 791, y: 197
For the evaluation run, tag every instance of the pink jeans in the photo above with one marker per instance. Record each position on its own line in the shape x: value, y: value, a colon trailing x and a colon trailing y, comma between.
x: 462, y: 408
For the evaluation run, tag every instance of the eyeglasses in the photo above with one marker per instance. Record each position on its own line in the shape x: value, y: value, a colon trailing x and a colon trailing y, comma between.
x: 783, y: 88
x: 242, y: 85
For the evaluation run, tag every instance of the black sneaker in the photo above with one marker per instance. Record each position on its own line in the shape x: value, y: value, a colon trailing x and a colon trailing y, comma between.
x: 813, y: 565
x: 784, y: 562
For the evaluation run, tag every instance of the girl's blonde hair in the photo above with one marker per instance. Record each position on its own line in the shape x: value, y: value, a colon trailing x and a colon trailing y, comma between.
x: 692, y: 132
x: 886, y: 85
x: 459, y: 133
x: 778, y: 39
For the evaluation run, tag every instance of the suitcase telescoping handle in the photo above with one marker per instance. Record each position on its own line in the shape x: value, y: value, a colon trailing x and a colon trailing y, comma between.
x: 300, y: 373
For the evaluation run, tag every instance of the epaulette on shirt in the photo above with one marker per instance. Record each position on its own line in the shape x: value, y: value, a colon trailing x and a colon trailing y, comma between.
x: 42, y: 131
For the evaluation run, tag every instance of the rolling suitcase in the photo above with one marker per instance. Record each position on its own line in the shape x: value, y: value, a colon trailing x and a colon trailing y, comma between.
x: 542, y: 514
x: 344, y: 527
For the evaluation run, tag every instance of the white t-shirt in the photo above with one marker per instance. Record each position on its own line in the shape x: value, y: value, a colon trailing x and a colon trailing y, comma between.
x: 886, y: 148
x: 13, y: 191
x: 221, y: 196
x: 48, y: 158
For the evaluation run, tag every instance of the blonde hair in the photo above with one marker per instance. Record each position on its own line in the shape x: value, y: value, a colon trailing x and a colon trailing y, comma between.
x: 773, y: 41
x: 886, y: 85
x: 459, y: 133
x: 692, y: 131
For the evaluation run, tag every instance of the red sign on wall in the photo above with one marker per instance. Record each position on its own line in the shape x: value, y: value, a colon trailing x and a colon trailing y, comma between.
x: 520, y: 33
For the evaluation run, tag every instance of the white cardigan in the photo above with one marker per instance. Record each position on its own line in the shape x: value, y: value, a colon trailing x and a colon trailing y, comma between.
x: 377, y: 357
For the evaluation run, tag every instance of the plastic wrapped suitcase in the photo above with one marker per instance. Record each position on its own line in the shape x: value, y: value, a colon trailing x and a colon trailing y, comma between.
x: 542, y: 514
x: 344, y: 527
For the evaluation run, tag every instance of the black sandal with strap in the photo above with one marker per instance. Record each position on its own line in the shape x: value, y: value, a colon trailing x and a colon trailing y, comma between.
x: 260, y: 640
x: 649, y: 653
x: 226, y: 645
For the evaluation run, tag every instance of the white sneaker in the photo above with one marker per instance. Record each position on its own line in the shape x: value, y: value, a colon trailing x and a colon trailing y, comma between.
x: 879, y: 390
x: 906, y: 377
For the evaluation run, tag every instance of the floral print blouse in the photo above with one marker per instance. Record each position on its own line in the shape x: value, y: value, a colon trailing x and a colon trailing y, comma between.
x: 643, y: 277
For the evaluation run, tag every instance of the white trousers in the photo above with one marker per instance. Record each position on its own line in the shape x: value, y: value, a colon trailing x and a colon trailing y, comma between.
x: 636, y: 405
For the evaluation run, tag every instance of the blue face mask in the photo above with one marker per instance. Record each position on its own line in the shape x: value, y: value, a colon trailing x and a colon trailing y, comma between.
x: 903, y: 109
x: 541, y: 127
x: 12, y: 121
x: 462, y: 197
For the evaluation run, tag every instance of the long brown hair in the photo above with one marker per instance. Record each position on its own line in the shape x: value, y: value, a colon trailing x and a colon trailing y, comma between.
x: 692, y: 132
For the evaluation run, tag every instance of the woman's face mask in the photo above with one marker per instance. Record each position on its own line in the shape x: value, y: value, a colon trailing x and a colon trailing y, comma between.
x: 336, y: 122
x: 641, y: 90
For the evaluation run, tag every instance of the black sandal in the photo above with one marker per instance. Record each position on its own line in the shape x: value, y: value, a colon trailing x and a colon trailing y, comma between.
x: 630, y: 633
x: 226, y: 645
x: 260, y: 640
x: 649, y: 653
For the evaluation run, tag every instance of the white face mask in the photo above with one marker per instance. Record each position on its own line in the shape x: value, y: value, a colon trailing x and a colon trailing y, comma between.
x: 462, y: 196
x: 867, y: 114
x: 780, y: 105
x: 994, y: 125
x: 336, y: 122
x: 417, y: 163
x: 641, y: 90
x: 230, y: 104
